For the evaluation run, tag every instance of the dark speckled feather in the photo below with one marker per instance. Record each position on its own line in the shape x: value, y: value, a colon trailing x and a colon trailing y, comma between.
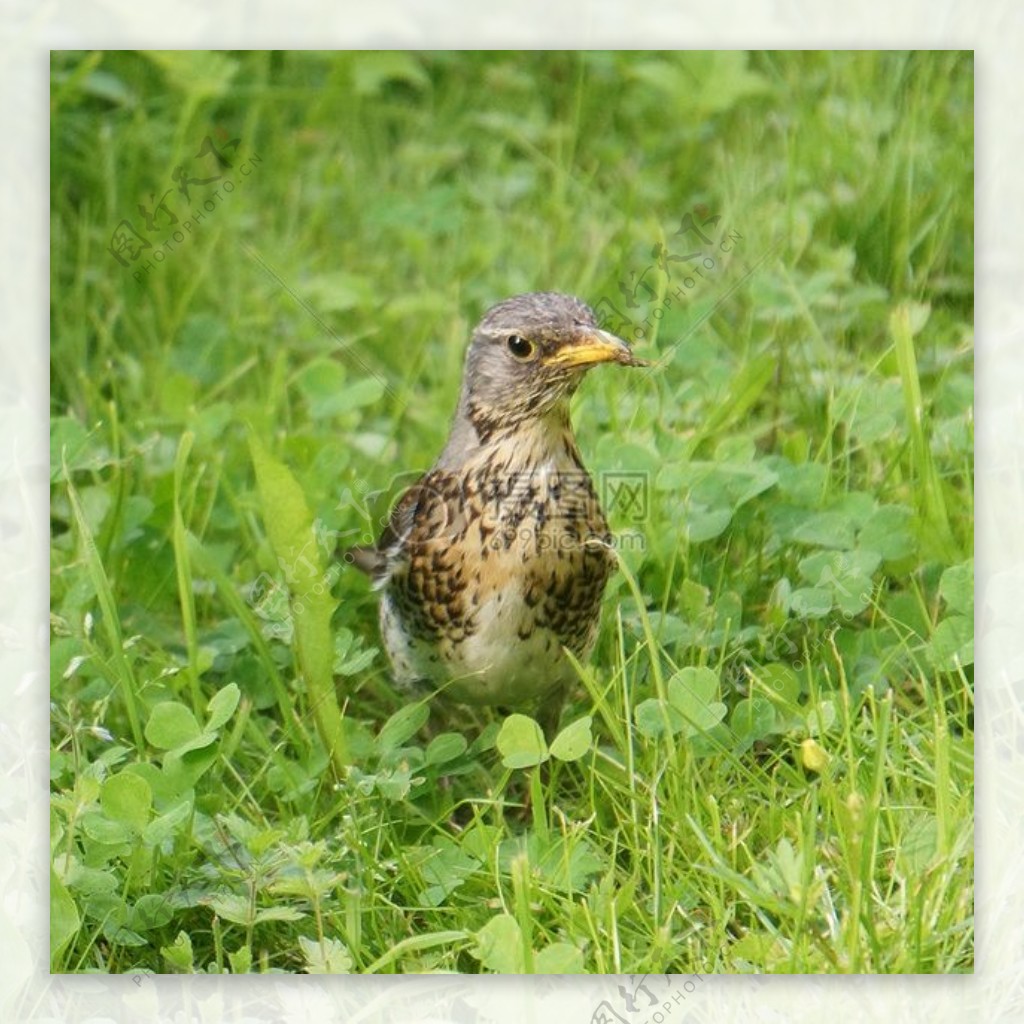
x: 495, y: 561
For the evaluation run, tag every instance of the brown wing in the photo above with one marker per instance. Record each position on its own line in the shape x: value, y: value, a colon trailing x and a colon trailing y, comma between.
x: 378, y: 560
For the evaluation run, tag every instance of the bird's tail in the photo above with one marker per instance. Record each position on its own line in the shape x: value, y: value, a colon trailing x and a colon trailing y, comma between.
x: 366, y: 558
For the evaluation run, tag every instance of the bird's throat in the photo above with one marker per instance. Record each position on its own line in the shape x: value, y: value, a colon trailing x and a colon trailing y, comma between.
x: 531, y: 440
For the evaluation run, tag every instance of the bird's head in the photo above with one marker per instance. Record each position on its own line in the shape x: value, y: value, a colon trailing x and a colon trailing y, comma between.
x: 528, y: 355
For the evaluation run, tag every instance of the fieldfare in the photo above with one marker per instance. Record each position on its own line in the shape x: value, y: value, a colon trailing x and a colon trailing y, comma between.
x: 493, y: 564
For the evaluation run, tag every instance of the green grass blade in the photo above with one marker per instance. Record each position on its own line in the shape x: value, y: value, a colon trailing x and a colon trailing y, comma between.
x: 110, y: 622
x: 289, y: 526
x: 229, y: 594
x: 931, y: 500
x: 183, y: 574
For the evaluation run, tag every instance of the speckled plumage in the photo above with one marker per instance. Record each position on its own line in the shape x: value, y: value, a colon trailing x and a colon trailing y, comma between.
x: 497, y: 558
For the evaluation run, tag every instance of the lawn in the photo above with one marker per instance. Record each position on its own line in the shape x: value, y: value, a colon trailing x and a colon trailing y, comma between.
x: 265, y: 268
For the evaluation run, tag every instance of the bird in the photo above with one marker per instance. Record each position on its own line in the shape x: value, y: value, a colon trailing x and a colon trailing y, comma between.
x: 493, y: 564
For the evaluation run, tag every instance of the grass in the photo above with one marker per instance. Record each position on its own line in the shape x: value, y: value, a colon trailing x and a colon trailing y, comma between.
x: 768, y: 763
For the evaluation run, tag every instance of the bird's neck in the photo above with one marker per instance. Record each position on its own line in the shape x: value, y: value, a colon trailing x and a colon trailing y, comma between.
x: 545, y: 439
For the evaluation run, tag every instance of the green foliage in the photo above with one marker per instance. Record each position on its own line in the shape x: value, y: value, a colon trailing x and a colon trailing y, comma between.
x: 291, y: 532
x: 767, y: 765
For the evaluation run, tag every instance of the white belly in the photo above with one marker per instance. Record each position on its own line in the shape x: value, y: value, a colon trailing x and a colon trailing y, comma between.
x: 485, y: 667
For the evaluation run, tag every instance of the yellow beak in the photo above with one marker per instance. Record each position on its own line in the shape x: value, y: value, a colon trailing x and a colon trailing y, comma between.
x: 593, y: 347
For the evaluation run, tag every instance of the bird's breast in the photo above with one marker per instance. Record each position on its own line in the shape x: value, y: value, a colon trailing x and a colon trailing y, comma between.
x: 507, y: 567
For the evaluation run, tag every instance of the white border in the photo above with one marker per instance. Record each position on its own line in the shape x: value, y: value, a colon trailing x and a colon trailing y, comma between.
x: 994, y: 29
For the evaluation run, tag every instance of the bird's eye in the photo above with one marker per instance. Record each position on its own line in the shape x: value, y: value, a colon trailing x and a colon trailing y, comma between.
x: 521, y: 348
